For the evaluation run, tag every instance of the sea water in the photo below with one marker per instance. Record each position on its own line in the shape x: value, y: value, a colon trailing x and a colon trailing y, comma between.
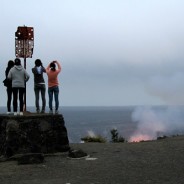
x: 83, y: 121
x: 131, y: 122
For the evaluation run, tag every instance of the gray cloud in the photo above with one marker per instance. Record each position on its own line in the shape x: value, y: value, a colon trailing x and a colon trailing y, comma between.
x: 109, y: 51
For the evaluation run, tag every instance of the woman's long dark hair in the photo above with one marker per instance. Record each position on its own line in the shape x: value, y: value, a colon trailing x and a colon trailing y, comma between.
x: 53, y: 66
x: 38, y: 62
x: 10, y: 65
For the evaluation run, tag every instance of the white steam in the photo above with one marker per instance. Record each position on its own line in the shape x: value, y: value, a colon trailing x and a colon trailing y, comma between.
x: 168, y: 120
x: 157, y: 121
x: 91, y: 133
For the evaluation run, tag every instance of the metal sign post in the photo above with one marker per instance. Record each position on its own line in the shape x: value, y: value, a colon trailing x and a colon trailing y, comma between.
x: 24, y: 44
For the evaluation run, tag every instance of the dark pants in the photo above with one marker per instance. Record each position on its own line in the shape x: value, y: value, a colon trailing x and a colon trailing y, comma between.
x: 9, y: 98
x: 21, y: 92
x: 40, y: 88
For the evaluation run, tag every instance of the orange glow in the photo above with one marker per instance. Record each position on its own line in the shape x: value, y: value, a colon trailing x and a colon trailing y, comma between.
x: 140, y: 137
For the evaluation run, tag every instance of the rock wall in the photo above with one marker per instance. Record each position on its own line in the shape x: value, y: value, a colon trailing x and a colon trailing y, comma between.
x: 32, y: 133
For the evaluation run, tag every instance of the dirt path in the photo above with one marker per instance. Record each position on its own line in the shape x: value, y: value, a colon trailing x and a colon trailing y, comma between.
x: 112, y: 163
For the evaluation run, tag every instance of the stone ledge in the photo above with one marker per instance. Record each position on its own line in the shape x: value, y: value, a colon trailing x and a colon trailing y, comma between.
x: 32, y: 133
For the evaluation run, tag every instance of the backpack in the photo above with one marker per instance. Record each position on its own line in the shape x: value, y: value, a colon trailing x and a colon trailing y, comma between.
x: 6, y: 82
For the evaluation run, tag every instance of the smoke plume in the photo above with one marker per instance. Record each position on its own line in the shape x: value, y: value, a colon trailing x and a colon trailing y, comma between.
x: 157, y: 121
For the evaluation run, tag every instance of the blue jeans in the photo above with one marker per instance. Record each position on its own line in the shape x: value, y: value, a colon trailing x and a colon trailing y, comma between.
x: 53, y: 91
x: 40, y: 88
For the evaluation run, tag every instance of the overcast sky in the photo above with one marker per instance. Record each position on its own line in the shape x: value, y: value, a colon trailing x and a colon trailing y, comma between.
x: 112, y: 52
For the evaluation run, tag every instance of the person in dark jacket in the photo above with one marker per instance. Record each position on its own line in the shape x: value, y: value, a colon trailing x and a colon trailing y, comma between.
x: 39, y: 85
x: 19, y: 77
x: 9, y: 86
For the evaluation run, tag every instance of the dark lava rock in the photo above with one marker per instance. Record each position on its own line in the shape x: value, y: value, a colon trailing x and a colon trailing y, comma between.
x: 76, y: 154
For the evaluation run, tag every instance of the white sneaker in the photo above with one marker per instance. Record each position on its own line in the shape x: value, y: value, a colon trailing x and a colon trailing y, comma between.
x: 8, y: 113
x: 15, y: 113
x: 21, y: 114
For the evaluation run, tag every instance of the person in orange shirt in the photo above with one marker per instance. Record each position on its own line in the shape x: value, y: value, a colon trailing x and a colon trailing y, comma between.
x: 53, y: 84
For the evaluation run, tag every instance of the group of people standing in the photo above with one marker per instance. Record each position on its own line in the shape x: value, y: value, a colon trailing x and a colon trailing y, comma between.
x: 17, y: 77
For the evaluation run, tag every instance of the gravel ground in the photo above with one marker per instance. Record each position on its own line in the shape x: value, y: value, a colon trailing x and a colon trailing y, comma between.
x: 108, y: 163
